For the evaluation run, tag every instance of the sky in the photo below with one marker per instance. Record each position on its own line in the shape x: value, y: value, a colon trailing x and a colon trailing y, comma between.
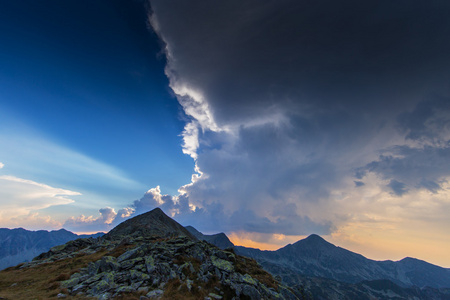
x: 268, y: 121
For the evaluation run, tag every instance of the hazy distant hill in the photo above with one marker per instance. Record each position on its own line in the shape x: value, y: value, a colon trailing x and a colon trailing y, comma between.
x: 21, y: 245
x: 220, y: 239
x: 316, y: 257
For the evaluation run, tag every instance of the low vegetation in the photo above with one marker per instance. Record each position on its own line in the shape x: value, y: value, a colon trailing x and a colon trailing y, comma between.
x: 42, y: 281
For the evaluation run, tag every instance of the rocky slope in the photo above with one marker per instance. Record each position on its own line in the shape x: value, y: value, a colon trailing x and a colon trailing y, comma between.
x: 157, y: 261
x: 21, y: 245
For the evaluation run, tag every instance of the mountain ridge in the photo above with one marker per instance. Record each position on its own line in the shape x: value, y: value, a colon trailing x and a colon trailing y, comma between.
x: 219, y: 239
x: 19, y: 245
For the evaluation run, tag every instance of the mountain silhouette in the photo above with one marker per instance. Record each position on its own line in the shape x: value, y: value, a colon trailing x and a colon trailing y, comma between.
x: 220, y: 239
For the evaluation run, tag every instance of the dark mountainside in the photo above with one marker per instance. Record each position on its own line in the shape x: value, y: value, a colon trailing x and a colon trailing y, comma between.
x: 21, y: 245
x: 147, y: 257
x: 220, y: 239
x: 316, y: 257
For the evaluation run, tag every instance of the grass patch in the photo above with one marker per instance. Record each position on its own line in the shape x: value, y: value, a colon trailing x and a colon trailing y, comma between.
x: 178, y: 290
x: 129, y: 296
x: 42, y: 282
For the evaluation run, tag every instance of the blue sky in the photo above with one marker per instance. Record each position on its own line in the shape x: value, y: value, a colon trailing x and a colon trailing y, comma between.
x: 85, y: 104
x: 268, y: 121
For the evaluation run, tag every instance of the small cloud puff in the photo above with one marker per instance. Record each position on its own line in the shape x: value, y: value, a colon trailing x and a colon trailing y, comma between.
x: 1, y: 165
x: 91, y: 223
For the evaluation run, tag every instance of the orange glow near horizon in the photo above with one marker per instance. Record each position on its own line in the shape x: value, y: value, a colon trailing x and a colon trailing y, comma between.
x: 271, y: 241
x: 88, y: 233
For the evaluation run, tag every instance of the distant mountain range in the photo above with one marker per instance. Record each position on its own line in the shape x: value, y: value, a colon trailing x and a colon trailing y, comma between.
x: 20, y: 245
x: 313, y: 256
x: 313, y: 268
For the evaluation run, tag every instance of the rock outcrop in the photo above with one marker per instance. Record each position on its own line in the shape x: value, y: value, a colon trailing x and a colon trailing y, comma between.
x: 153, y: 268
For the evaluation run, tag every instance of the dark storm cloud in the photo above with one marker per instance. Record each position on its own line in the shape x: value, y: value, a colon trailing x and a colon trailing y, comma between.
x: 424, y: 164
x: 249, y: 58
x: 416, y: 167
x: 291, y: 97
x: 429, y: 121
x: 399, y: 188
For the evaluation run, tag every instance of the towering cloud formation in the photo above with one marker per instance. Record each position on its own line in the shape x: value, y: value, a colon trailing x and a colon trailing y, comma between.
x: 292, y: 102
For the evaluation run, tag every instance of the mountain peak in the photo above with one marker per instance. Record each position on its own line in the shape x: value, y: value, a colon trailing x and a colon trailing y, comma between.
x: 313, y: 243
x: 157, y: 211
x: 315, y: 237
x: 152, y: 223
x: 313, y: 240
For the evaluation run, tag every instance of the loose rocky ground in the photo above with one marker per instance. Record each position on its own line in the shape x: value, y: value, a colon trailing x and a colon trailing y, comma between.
x: 156, y: 268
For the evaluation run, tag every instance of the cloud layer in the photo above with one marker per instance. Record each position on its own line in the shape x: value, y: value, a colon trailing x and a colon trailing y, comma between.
x: 289, y: 100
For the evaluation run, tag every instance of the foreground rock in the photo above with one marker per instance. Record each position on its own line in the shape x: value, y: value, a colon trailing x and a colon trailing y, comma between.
x: 156, y: 268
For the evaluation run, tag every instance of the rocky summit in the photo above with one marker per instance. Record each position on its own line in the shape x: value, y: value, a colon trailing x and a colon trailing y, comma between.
x: 147, y: 257
x: 152, y: 223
